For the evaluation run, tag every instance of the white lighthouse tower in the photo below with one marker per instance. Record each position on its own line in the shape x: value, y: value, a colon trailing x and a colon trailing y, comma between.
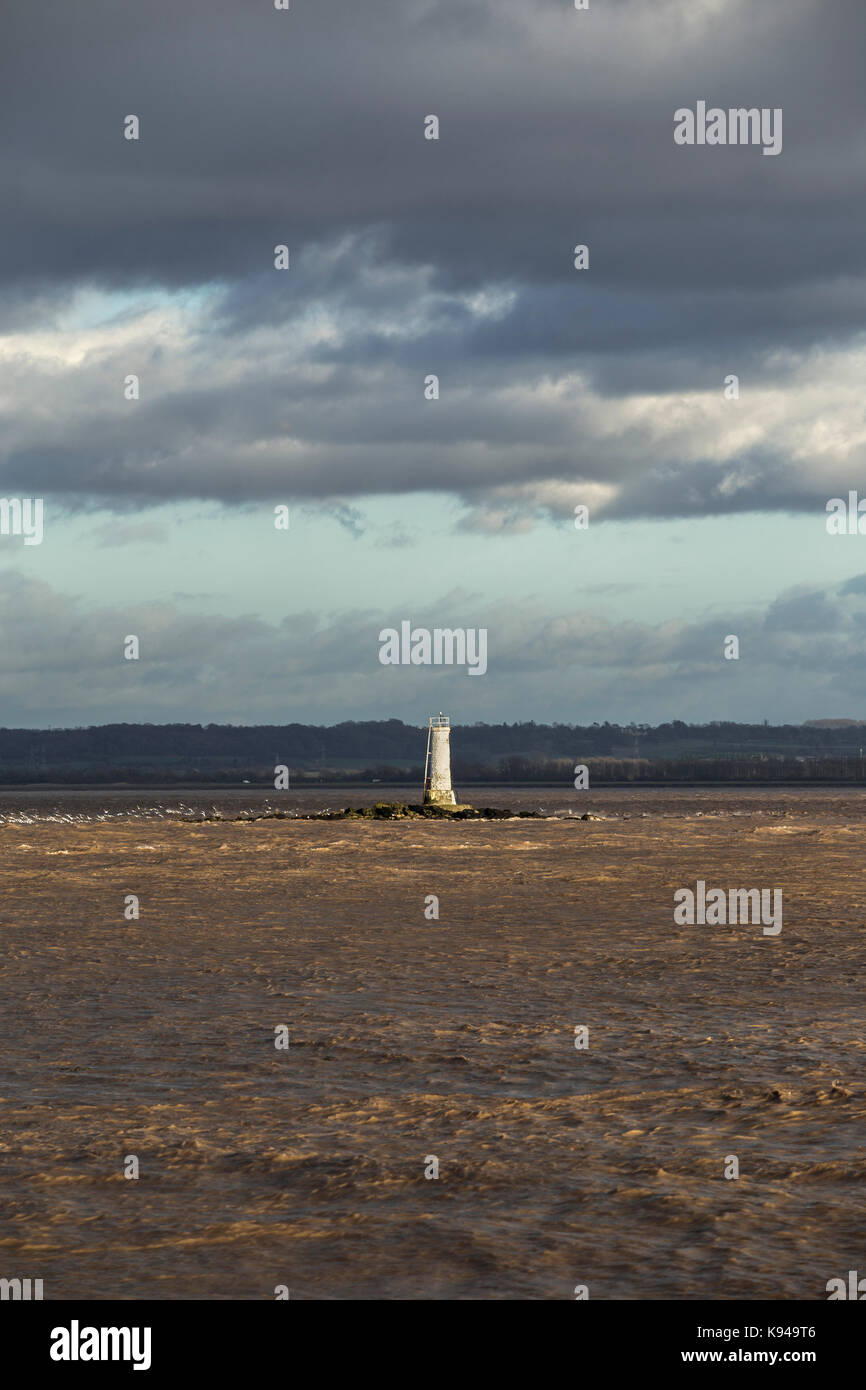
x: 437, y: 769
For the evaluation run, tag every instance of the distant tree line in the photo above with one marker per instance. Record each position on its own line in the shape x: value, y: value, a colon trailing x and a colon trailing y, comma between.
x: 391, y: 751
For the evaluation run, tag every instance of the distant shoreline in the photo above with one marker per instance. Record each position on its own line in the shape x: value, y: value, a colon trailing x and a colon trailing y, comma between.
x: 306, y: 787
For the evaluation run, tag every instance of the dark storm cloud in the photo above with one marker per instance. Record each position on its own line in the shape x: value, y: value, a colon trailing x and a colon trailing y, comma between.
x: 452, y: 257
x: 255, y: 122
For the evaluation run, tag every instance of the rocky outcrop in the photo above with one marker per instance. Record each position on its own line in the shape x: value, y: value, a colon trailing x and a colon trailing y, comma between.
x: 398, y: 810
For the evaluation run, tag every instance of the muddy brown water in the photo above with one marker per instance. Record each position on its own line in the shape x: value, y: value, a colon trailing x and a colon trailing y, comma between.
x: 411, y: 1038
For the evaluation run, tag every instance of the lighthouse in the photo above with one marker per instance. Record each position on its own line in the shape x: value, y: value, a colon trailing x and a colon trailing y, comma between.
x: 437, y: 768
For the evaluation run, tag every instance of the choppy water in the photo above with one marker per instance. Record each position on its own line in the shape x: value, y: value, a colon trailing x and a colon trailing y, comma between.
x: 69, y: 805
x: 412, y: 1037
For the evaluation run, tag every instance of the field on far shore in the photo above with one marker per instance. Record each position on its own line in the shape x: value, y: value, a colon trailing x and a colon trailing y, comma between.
x: 411, y: 1037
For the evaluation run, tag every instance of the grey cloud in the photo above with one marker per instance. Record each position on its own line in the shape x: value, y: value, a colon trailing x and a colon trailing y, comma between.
x: 306, y: 127
x: 572, y: 665
x: 257, y: 125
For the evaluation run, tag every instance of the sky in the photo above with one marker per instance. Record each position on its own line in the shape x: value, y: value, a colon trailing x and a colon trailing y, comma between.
x: 606, y: 387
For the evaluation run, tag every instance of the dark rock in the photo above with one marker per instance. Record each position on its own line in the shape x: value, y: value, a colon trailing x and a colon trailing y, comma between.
x: 398, y: 810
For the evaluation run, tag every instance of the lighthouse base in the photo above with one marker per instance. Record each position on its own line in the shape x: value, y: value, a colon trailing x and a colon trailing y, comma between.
x: 439, y: 798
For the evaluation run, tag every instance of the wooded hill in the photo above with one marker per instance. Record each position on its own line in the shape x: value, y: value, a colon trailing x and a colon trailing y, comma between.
x: 389, y: 750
